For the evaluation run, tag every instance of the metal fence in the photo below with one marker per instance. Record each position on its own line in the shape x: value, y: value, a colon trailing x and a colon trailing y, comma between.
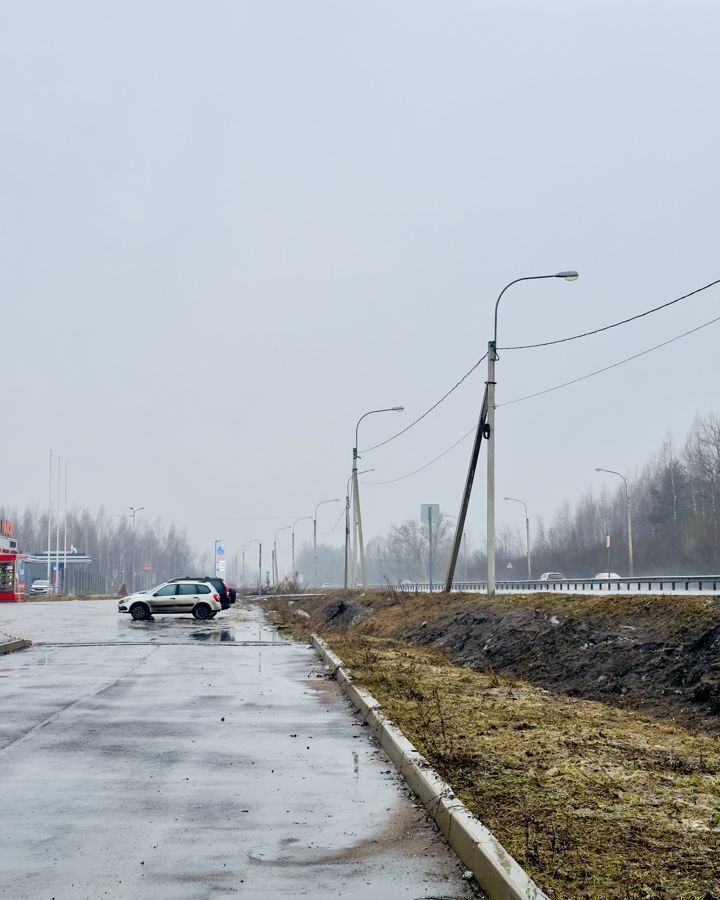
x: 694, y: 583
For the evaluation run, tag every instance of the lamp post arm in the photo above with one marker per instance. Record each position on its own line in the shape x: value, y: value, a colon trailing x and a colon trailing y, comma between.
x: 370, y: 413
x: 516, y: 281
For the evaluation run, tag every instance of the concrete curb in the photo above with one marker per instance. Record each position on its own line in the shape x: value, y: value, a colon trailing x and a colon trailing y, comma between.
x: 12, y: 646
x: 494, y: 869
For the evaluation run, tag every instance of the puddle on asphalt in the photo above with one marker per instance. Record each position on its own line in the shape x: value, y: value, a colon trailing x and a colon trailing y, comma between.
x: 224, y: 634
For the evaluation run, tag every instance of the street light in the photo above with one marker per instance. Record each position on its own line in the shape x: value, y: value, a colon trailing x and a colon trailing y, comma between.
x: 357, y: 519
x: 301, y: 519
x: 122, y: 544
x: 133, y: 510
x: 347, y: 521
x: 490, y: 427
x: 275, y: 556
x: 527, y: 531
x: 315, y: 556
x: 629, y: 517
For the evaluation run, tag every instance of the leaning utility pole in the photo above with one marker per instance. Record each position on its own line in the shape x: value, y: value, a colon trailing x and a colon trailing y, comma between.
x: 480, y: 433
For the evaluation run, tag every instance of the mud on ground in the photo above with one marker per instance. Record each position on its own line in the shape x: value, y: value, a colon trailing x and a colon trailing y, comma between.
x: 617, y: 798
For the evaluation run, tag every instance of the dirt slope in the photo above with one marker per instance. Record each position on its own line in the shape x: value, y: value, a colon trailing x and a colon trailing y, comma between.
x: 582, y: 731
x: 658, y: 654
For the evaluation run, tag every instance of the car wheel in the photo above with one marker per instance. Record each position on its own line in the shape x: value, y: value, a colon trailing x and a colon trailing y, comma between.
x: 139, y: 611
x: 202, y: 611
x: 212, y: 614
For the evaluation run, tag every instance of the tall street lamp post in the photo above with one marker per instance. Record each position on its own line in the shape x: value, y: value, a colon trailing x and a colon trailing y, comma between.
x: 629, y: 518
x: 122, y: 545
x: 527, y: 533
x: 357, y: 518
x: 133, y: 511
x: 315, y: 556
x: 276, y: 568
x: 490, y: 427
x: 347, y: 523
x: 301, y: 519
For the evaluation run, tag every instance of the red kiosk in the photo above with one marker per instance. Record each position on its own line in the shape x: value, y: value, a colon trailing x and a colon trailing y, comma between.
x: 12, y: 566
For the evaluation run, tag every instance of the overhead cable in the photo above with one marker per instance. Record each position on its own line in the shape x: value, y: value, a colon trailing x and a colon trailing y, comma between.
x: 428, y: 464
x: 547, y: 391
x: 426, y: 413
x: 607, y: 368
x: 641, y: 315
x: 337, y: 522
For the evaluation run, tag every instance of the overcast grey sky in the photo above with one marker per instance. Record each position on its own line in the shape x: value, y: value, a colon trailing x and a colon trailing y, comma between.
x: 228, y: 229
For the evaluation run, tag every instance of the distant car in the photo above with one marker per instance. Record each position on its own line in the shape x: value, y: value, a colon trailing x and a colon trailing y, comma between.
x: 326, y: 584
x: 552, y: 576
x: 607, y: 576
x: 40, y: 586
x: 227, y: 594
x: 180, y: 596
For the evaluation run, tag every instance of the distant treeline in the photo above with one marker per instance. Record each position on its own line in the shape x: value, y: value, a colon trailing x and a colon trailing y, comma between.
x: 675, y: 507
x: 118, y: 553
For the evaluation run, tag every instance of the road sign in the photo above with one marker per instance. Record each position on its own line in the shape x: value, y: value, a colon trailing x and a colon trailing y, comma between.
x: 430, y: 512
x: 146, y: 567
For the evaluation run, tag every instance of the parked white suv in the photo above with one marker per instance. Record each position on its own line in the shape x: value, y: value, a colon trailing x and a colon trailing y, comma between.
x: 196, y: 597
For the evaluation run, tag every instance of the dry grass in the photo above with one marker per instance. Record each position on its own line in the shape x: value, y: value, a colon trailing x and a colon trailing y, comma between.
x: 595, y: 802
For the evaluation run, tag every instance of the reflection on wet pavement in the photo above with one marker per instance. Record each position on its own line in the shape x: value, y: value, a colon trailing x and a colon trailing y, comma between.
x: 142, y: 762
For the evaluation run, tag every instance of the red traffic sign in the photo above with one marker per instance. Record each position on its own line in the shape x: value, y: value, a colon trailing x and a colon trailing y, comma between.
x: 146, y: 567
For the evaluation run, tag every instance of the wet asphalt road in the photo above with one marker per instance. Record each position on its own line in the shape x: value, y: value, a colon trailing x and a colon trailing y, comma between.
x: 186, y: 760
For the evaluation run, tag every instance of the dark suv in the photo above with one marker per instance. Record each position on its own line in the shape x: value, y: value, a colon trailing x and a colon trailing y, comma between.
x: 227, y: 594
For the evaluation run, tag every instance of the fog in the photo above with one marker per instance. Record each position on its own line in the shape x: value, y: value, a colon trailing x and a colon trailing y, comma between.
x: 228, y: 230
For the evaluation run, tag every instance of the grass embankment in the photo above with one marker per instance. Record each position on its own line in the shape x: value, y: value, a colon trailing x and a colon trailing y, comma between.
x: 594, y: 801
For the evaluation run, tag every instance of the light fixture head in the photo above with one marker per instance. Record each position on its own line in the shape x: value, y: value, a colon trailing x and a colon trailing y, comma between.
x: 398, y: 408
x: 570, y: 275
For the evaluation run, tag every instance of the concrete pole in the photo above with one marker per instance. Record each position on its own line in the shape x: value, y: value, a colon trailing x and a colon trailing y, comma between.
x: 430, y: 578
x: 491, y: 471
x: 259, y: 569
x: 355, y: 502
x: 49, y: 517
x: 315, y: 580
x: 629, y: 531
x: 357, y: 532
x: 347, y: 529
x: 64, y: 571
x: 56, y: 585
x: 358, y: 521
x: 527, y: 534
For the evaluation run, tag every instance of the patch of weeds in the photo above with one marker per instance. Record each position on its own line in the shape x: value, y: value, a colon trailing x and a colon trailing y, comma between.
x: 596, y: 802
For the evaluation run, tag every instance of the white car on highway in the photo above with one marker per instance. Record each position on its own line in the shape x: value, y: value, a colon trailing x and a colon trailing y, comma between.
x: 186, y: 596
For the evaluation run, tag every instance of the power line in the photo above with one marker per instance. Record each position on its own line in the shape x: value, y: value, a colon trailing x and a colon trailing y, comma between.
x: 428, y: 464
x: 564, y: 340
x: 337, y: 522
x: 426, y: 413
x: 607, y: 368
x: 547, y: 391
x: 641, y: 315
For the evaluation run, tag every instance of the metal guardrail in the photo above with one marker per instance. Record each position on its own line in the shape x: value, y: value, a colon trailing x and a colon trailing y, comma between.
x: 708, y: 583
